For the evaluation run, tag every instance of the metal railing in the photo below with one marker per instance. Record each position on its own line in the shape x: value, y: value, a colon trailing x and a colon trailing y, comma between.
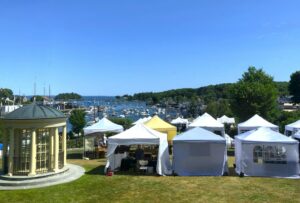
x: 43, y: 164
x: 21, y: 165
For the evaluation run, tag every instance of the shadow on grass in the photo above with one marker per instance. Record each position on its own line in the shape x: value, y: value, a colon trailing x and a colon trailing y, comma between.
x: 74, y: 156
x: 135, y: 173
x: 232, y: 171
x: 99, y: 170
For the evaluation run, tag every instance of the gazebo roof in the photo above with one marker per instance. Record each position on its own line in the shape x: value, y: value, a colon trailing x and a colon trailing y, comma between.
x: 34, y: 111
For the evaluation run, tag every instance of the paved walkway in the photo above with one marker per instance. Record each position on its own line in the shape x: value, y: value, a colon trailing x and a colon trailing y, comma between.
x: 72, y: 174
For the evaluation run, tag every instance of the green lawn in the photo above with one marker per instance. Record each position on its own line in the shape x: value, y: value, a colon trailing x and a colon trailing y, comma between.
x: 95, y: 187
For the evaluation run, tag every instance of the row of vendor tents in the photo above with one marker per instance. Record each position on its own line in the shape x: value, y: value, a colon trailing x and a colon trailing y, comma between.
x: 260, y: 149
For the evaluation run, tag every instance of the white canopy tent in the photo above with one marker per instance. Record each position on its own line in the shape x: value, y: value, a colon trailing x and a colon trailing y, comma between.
x: 139, y: 135
x: 199, y: 152
x: 102, y: 126
x: 180, y: 121
x: 95, y: 138
x: 229, y: 140
x: 292, y: 128
x: 264, y: 152
x: 142, y: 120
x: 297, y: 135
x: 207, y: 122
x: 226, y: 120
x: 255, y: 122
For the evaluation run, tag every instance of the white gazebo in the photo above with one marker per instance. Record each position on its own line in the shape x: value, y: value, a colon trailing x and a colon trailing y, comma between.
x: 255, y: 122
x: 140, y: 135
x: 265, y: 152
x: 32, y: 144
x: 206, y: 121
x: 292, y: 128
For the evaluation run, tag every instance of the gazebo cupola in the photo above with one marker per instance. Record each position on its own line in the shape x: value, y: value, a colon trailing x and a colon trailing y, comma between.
x: 32, y: 144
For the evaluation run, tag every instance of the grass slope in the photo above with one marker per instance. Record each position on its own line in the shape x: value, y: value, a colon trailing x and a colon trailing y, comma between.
x: 95, y: 187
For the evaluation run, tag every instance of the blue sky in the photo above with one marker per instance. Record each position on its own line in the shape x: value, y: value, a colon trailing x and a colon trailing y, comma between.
x: 96, y: 47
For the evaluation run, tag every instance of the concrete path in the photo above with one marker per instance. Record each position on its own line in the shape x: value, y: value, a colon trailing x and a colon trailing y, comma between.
x: 72, y: 174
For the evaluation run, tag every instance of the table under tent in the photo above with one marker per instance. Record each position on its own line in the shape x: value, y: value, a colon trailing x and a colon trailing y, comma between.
x: 199, y: 152
x: 180, y: 123
x: 292, y: 128
x: 265, y: 152
x: 140, y: 135
x: 255, y: 122
x: 207, y: 122
x: 95, y: 138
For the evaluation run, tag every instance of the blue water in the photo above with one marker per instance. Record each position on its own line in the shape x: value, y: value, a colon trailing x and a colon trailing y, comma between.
x: 116, y: 108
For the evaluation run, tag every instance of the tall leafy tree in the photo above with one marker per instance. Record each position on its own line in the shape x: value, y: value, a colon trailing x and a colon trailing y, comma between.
x: 194, y: 108
x: 125, y: 122
x: 6, y: 93
x: 254, y: 93
x: 77, y: 119
x: 219, y: 108
x: 294, y: 86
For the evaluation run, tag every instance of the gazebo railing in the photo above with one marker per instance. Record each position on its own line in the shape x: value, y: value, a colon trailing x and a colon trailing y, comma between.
x: 21, y: 165
x: 43, y: 166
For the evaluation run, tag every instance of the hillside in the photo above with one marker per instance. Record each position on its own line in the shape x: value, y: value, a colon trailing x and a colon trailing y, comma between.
x: 207, y: 94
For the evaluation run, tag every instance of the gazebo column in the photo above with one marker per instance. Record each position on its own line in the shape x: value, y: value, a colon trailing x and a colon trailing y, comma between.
x: 11, y: 152
x: 32, y: 170
x: 51, y: 148
x: 56, y: 150
x: 4, y: 152
x: 64, y: 143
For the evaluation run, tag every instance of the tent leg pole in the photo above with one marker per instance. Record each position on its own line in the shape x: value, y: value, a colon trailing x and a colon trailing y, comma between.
x: 83, y: 142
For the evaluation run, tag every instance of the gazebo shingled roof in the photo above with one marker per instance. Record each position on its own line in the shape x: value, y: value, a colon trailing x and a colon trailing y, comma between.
x: 34, y: 111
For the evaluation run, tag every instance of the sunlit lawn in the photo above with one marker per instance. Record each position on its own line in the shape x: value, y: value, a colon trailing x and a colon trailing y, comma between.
x: 95, y: 187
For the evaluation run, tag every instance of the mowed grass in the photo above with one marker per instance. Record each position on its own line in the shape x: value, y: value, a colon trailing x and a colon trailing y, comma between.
x: 95, y: 187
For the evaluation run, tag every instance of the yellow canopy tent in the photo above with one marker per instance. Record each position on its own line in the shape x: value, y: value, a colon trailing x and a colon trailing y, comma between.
x: 160, y: 125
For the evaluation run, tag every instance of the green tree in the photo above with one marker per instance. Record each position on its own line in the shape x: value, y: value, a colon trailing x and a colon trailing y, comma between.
x: 294, y: 87
x: 254, y: 93
x: 77, y: 119
x: 194, y: 108
x: 6, y: 93
x: 68, y: 96
x: 38, y: 98
x: 125, y: 122
x: 219, y: 108
x: 286, y: 118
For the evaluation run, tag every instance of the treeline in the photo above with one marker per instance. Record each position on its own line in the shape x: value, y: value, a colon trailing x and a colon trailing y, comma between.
x: 68, y: 96
x: 207, y: 94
